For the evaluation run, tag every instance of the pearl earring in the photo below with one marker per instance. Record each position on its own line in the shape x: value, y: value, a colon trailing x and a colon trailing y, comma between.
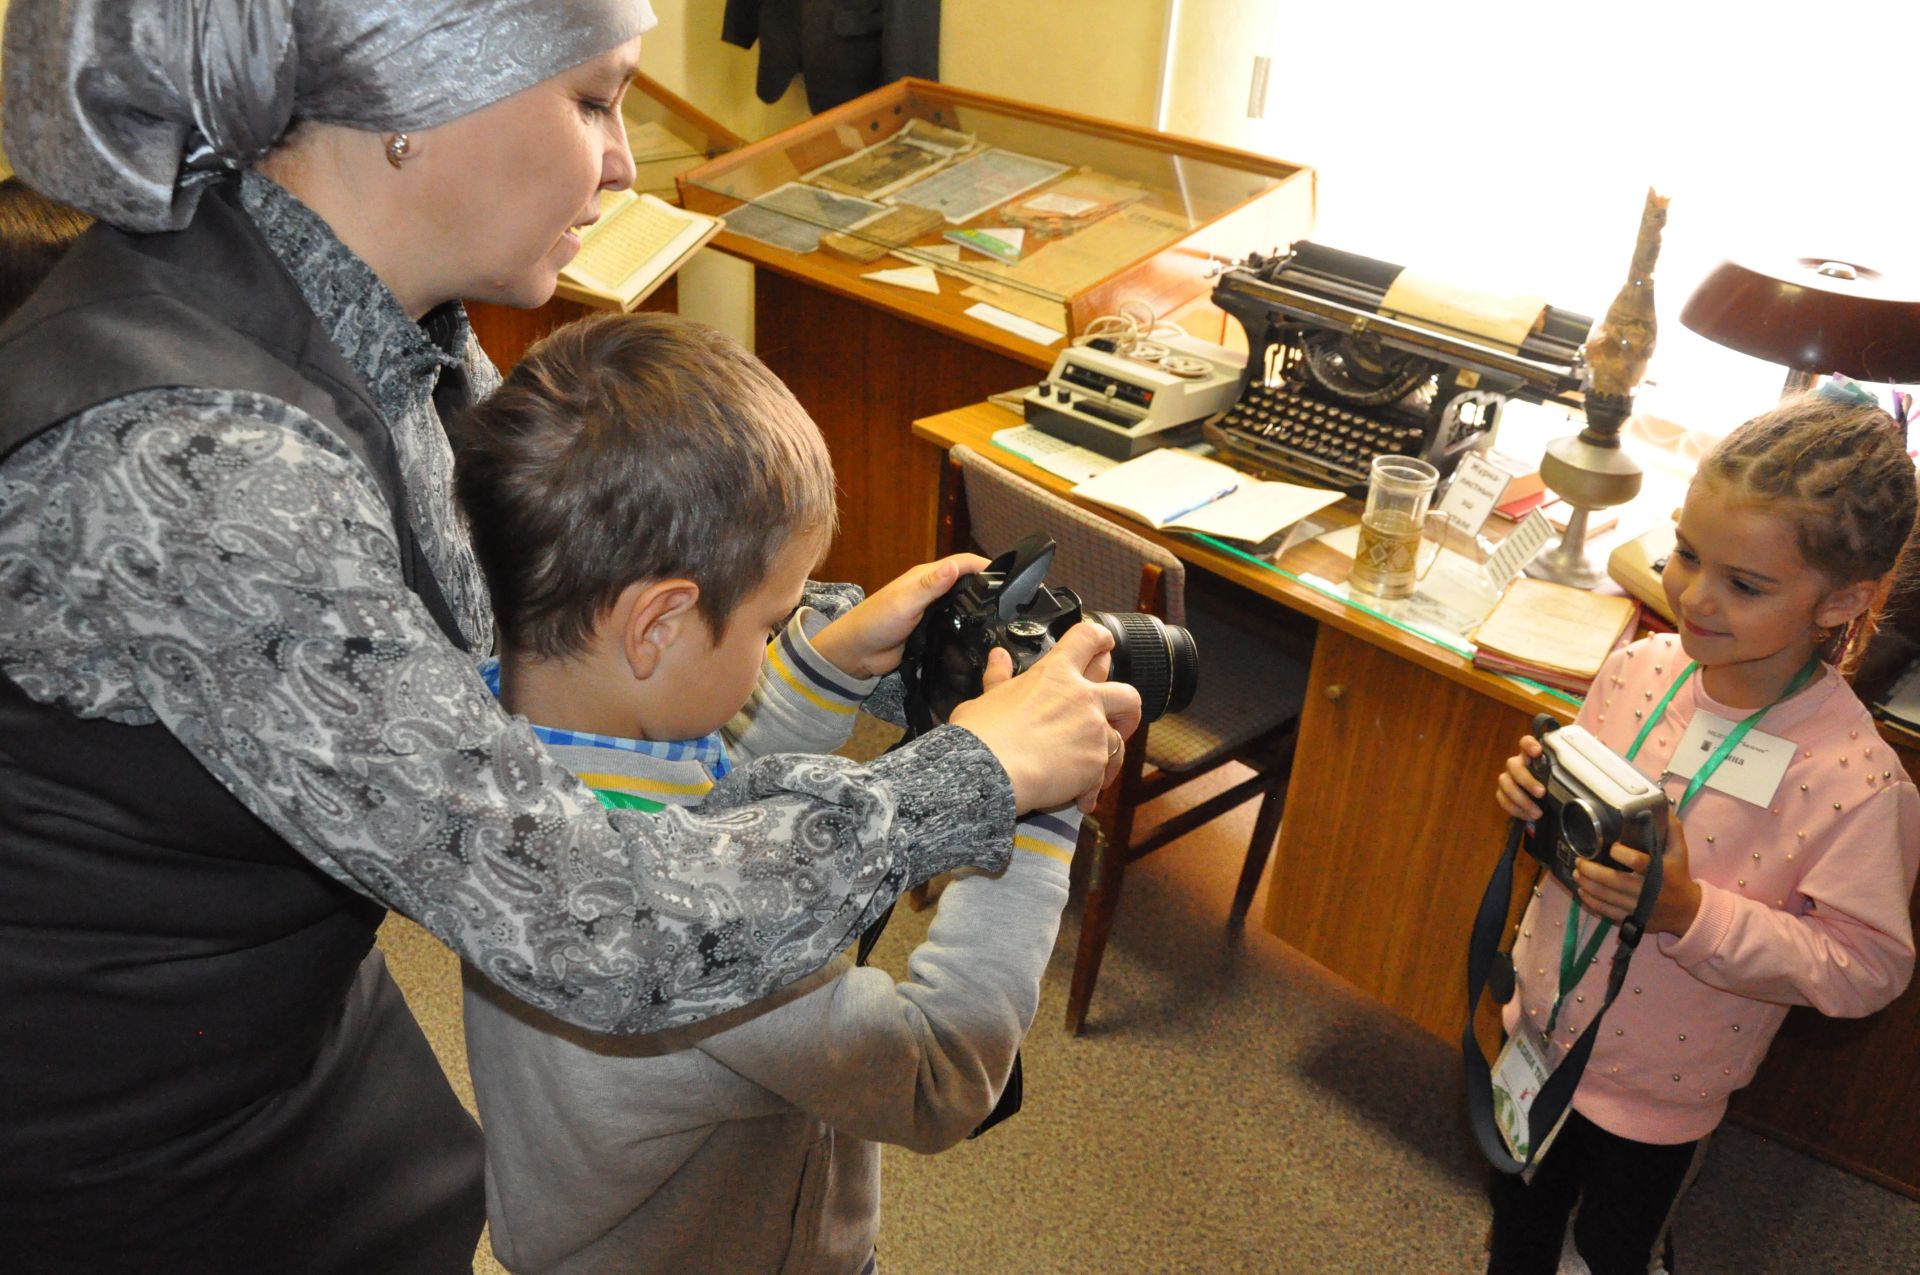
x: 399, y: 149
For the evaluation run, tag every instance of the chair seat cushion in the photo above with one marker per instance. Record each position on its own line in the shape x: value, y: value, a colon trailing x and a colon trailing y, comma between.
x: 1247, y: 688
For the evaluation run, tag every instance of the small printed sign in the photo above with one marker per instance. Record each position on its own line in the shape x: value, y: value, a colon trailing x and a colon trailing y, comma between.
x: 1476, y: 488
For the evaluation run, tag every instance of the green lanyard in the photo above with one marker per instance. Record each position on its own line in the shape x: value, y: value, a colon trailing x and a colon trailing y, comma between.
x: 1572, y: 964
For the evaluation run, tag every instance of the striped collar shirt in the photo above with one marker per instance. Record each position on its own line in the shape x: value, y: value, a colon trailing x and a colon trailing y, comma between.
x: 632, y: 774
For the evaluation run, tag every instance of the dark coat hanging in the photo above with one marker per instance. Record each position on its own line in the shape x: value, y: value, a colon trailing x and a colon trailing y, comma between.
x: 842, y: 47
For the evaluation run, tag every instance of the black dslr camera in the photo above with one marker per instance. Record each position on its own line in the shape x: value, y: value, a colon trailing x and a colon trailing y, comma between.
x: 1594, y: 798
x: 1010, y: 605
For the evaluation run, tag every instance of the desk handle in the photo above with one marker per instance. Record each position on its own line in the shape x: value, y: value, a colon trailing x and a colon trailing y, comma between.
x: 1335, y: 693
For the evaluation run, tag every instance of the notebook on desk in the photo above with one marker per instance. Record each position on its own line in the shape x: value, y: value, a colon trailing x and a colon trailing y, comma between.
x: 1174, y: 490
x: 1554, y: 634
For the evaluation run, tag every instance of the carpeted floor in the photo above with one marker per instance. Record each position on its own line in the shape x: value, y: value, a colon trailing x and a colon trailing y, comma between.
x: 1232, y: 1107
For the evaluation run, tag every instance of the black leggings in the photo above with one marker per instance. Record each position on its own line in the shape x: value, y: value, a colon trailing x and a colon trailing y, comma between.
x: 1625, y: 1191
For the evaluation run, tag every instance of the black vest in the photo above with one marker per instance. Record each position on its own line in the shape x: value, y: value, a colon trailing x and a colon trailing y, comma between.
x: 167, y: 961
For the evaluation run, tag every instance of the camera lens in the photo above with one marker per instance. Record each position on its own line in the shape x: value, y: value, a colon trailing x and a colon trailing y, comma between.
x: 1158, y: 660
x: 1580, y: 829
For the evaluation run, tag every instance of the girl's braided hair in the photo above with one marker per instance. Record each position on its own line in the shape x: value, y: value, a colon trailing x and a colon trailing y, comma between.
x: 1838, y: 467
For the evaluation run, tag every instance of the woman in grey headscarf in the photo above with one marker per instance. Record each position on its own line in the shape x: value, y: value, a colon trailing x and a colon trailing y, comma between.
x: 240, y: 716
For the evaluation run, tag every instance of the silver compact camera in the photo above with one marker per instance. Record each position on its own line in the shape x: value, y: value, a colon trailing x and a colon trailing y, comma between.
x: 1594, y: 799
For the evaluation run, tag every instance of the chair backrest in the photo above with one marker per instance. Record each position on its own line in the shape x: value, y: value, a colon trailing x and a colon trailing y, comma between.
x: 1096, y: 558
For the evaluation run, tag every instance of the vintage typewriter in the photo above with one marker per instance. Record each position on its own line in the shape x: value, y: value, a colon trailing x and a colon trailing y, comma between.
x: 1331, y: 381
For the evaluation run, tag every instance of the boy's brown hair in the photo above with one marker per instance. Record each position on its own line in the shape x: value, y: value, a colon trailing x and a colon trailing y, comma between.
x: 632, y: 447
x: 1838, y: 467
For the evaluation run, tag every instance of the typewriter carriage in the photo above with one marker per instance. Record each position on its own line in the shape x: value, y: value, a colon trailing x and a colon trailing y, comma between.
x: 1332, y: 382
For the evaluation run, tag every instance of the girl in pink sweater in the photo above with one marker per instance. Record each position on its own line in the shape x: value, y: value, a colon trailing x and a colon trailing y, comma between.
x: 1788, y: 870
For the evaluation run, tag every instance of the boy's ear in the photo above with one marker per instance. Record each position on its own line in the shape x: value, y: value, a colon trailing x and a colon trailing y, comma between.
x: 1844, y: 603
x: 653, y: 616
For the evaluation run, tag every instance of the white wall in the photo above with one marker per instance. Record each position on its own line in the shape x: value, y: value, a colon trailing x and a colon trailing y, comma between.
x: 1508, y: 145
x: 1093, y: 57
x: 1214, y: 44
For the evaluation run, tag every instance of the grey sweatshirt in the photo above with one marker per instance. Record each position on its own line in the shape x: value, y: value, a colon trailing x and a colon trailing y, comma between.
x: 748, y: 1143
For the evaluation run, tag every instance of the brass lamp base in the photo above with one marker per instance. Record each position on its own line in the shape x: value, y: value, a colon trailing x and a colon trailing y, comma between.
x: 1589, y: 471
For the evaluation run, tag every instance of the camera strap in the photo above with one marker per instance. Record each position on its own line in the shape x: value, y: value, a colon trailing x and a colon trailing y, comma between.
x: 1573, y: 964
x: 1556, y: 1094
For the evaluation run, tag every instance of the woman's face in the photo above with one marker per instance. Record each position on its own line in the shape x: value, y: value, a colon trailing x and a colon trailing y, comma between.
x: 512, y: 184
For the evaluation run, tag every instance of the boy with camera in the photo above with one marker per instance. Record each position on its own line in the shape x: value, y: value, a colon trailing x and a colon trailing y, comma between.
x: 647, y: 501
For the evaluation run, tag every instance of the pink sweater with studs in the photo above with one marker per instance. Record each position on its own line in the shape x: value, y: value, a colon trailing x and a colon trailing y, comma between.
x: 1804, y: 901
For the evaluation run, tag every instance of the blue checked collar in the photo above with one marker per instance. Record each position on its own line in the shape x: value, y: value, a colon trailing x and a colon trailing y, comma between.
x: 710, y: 751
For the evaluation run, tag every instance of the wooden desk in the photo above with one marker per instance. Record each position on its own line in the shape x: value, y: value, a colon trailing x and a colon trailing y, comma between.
x: 1390, y: 832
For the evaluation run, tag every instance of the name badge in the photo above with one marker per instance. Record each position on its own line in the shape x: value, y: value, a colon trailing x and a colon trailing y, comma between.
x: 1752, y: 772
x: 1518, y: 1074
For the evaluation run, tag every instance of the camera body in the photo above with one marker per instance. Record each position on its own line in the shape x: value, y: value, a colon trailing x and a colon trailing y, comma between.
x: 1010, y: 605
x: 1594, y: 799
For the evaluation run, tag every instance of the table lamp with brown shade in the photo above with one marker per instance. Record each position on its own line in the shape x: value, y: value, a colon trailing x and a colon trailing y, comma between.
x: 1813, y: 315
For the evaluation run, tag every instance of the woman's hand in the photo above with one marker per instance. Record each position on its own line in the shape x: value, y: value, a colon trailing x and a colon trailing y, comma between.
x: 868, y: 640
x: 1614, y: 893
x: 1519, y: 790
x: 1060, y: 727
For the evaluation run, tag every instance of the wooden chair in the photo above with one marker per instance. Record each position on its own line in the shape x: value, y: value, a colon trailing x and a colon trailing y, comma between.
x: 1247, y: 707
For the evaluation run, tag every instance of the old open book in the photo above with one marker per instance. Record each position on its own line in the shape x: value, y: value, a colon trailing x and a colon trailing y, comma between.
x: 636, y: 246
x: 1553, y: 633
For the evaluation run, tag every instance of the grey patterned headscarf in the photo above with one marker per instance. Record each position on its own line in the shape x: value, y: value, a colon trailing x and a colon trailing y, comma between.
x: 123, y: 108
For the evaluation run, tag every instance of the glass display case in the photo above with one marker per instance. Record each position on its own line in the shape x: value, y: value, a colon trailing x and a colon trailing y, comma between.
x: 1051, y: 217
x: 669, y: 136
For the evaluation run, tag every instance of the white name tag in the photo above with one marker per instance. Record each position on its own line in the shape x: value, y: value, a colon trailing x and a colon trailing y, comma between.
x: 1752, y: 772
x: 1518, y: 1074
